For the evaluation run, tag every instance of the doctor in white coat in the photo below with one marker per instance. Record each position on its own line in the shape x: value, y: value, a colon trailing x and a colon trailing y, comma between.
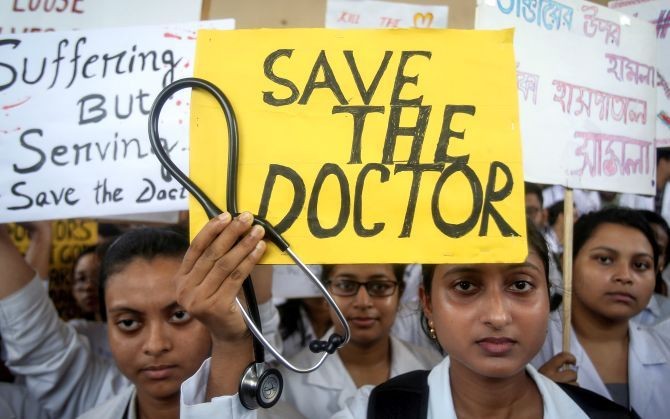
x: 491, y: 318
x: 613, y: 278
x: 368, y: 296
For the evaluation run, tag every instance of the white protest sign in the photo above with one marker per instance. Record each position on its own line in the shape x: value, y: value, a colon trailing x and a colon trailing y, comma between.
x: 585, y: 76
x: 344, y: 14
x: 658, y: 13
x: 22, y: 16
x: 73, y: 126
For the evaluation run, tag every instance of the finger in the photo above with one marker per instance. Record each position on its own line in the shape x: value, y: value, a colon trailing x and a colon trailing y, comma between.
x: 236, y: 265
x: 202, y: 241
x: 230, y: 288
x: 561, y: 359
x: 218, y: 249
x: 566, y: 376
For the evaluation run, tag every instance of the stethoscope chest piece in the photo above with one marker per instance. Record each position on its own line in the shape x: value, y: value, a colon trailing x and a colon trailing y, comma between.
x: 260, y: 386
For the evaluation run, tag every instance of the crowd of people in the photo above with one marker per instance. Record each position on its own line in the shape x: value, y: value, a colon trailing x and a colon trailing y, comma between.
x: 161, y: 336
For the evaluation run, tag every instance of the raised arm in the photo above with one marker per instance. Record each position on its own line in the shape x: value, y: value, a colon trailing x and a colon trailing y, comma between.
x: 219, y: 259
x: 39, y: 250
x: 16, y: 273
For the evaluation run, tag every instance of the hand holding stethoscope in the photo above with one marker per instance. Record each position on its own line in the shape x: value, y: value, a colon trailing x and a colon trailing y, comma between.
x: 260, y: 386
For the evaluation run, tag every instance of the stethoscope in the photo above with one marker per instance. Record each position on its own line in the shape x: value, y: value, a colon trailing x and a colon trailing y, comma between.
x: 260, y: 386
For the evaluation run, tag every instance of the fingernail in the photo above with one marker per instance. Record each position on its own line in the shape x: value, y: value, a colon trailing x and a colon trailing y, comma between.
x: 224, y: 216
x: 246, y: 217
x: 256, y: 231
x: 260, y: 246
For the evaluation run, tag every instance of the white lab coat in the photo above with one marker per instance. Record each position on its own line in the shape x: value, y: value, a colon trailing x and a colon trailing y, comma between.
x: 648, y: 366
x: 193, y: 405
x: 557, y: 404
x: 96, y: 333
x: 55, y: 363
x: 121, y: 406
x: 656, y: 311
x: 320, y: 394
x: 647, y: 202
x: 17, y: 403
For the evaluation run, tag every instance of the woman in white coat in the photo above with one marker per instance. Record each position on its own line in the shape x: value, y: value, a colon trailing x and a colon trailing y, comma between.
x: 368, y: 296
x: 613, y: 279
x: 491, y: 318
x: 155, y: 343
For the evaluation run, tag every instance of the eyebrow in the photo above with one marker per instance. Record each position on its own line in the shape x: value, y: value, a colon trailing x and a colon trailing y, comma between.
x: 609, y: 249
x: 375, y: 277
x: 470, y: 269
x: 124, y: 309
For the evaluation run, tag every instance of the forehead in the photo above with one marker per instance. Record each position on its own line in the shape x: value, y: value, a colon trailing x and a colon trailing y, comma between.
x: 533, y: 263
x: 143, y: 284
x: 363, y: 270
x: 86, y: 261
x: 532, y: 199
x: 619, y: 237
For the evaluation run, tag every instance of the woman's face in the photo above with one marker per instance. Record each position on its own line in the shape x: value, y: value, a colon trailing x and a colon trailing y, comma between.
x: 613, y: 273
x: 155, y: 343
x: 370, y: 317
x: 491, y: 318
x: 85, y: 285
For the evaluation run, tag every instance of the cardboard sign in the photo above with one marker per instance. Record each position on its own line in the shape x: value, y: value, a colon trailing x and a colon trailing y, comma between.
x: 657, y: 12
x: 74, y: 121
x: 367, y: 145
x: 585, y: 76
x: 343, y: 14
x: 68, y: 239
x: 27, y: 16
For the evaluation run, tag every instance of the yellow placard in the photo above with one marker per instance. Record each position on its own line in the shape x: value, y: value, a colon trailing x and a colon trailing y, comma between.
x: 68, y: 239
x: 367, y: 145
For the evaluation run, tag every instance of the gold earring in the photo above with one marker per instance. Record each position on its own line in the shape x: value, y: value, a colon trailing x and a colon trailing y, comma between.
x: 431, y: 330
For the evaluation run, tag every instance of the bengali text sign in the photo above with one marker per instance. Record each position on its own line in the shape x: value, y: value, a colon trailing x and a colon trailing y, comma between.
x: 586, y: 77
x: 658, y: 13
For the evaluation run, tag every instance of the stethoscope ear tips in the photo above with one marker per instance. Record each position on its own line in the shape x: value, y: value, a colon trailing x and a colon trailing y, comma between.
x: 333, y: 344
x: 260, y: 386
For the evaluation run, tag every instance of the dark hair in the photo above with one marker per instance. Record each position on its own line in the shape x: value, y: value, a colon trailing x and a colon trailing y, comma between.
x: 535, y: 241
x: 554, y: 211
x: 654, y: 218
x: 143, y: 243
x: 291, y: 321
x: 398, y: 271
x: 662, y: 154
x: 85, y: 251
x: 534, y: 189
x: 588, y: 223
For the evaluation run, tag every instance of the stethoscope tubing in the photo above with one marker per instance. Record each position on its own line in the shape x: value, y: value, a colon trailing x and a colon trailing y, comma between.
x: 231, y: 201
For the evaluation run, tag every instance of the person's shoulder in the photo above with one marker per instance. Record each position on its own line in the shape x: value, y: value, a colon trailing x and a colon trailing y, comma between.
x: 112, y: 408
x: 595, y: 405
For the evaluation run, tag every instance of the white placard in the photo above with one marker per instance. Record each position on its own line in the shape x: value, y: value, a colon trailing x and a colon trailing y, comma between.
x: 25, y: 16
x: 585, y: 76
x: 73, y: 127
x: 343, y: 14
x: 658, y: 13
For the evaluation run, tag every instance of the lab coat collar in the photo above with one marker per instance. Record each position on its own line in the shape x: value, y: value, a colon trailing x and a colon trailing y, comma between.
x: 557, y: 404
x: 333, y: 375
x: 646, y: 347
